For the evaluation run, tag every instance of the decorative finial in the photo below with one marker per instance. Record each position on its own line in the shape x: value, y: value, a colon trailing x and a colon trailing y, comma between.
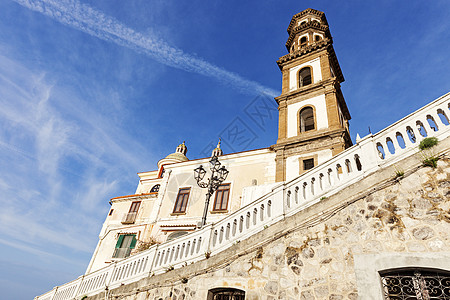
x: 217, y: 151
x: 182, y: 148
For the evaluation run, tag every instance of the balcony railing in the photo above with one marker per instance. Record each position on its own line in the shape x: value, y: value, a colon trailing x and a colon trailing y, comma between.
x: 366, y: 157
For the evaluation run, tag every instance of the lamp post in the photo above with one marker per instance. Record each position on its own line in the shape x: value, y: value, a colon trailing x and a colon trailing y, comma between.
x: 218, y: 175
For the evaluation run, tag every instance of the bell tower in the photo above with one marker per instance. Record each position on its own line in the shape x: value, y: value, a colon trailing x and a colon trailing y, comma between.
x: 313, y: 115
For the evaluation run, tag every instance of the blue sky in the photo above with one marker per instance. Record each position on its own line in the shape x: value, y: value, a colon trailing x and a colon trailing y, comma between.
x: 92, y: 92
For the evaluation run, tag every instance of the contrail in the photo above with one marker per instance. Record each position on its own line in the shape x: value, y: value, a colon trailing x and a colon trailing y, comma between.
x: 85, y: 18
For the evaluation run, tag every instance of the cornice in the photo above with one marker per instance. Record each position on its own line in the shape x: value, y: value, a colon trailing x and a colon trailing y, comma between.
x: 134, y: 197
x: 296, y: 141
x: 321, y: 86
x: 323, y: 44
x: 307, y: 11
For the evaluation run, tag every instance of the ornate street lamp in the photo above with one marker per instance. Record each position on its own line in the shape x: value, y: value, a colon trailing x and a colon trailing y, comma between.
x: 218, y: 175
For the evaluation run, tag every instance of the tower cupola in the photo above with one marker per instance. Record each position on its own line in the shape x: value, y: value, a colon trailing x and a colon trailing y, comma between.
x: 178, y: 156
x: 217, y: 151
x: 307, y: 29
x: 181, y: 148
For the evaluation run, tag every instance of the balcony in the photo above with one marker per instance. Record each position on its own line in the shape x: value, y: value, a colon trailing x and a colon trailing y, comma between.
x: 129, y: 218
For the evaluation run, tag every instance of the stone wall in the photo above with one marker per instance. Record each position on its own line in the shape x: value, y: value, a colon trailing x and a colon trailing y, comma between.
x: 331, y: 249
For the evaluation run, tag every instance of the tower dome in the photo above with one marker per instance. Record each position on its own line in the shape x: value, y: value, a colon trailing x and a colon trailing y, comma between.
x: 178, y: 156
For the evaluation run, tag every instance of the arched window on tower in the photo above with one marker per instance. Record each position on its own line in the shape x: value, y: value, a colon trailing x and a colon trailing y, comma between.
x: 317, y: 38
x: 304, y: 77
x: 307, y: 119
x: 303, y: 41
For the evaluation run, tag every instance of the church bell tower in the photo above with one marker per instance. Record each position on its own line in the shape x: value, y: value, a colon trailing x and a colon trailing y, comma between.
x: 313, y: 115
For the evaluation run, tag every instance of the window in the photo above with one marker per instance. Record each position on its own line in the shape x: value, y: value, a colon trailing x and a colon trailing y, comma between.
x: 307, y: 119
x: 304, y: 77
x: 317, y: 38
x: 155, y: 188
x: 182, y: 199
x: 161, y: 172
x: 130, y: 217
x: 124, y: 244
x: 308, y: 164
x: 416, y: 284
x: 226, y: 294
x: 175, y: 235
x: 303, y: 41
x: 221, y: 200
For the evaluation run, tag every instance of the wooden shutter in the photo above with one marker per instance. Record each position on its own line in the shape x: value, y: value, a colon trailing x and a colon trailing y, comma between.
x: 182, y: 200
x: 221, y: 199
x: 133, y: 242
x: 135, y: 206
x: 119, y: 241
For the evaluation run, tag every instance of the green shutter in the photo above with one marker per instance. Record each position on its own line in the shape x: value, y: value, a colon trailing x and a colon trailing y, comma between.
x: 119, y: 241
x: 133, y: 242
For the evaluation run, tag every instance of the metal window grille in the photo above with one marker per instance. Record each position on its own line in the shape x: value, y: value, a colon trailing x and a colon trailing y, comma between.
x: 227, y: 294
x: 155, y: 188
x: 416, y: 284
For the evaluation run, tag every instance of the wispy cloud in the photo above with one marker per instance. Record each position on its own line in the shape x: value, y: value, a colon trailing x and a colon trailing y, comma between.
x: 44, y: 128
x: 96, y: 23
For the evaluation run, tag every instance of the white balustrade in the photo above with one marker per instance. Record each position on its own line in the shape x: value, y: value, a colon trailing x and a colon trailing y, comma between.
x: 368, y: 155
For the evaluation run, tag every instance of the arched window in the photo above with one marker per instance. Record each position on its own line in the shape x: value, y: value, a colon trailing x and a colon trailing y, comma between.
x: 415, y: 283
x: 226, y: 294
x: 304, y: 77
x: 155, y: 188
x: 176, y: 234
x: 317, y: 38
x: 303, y: 41
x: 307, y: 119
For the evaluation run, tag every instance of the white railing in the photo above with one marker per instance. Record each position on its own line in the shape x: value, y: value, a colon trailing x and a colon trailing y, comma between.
x: 368, y: 155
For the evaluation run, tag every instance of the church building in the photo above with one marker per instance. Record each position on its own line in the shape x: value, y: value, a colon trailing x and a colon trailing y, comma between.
x: 311, y: 217
x: 313, y: 127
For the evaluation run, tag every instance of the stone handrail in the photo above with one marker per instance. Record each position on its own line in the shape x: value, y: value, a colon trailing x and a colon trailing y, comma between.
x: 368, y: 155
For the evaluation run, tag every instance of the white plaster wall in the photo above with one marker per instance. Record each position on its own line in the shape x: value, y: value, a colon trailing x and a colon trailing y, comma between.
x: 113, y: 226
x: 293, y: 164
x: 321, y: 114
x: 252, y: 193
x: 105, y: 248
x: 316, y: 72
x: 243, y: 168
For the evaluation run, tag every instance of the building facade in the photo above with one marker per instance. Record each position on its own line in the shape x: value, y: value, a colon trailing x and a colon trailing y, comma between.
x: 311, y: 217
x: 313, y: 127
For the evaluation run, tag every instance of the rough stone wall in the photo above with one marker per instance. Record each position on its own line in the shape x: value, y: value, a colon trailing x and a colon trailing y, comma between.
x: 407, y: 214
